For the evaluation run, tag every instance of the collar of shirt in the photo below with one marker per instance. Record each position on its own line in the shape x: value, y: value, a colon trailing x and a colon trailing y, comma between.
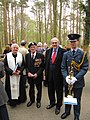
x: 14, y: 55
x: 56, y: 51
x: 74, y: 49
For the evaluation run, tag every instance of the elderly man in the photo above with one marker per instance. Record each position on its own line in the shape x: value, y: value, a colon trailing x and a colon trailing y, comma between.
x: 40, y: 47
x: 74, y: 60
x: 54, y: 76
x: 34, y: 68
x: 23, y: 50
x: 13, y: 64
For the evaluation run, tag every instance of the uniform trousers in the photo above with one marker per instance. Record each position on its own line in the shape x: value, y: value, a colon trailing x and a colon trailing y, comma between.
x: 77, y: 93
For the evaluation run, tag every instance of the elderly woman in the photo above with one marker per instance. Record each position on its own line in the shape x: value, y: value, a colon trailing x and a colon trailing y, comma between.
x: 13, y: 64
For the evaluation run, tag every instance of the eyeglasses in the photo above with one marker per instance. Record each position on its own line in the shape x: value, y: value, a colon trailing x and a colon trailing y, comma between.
x: 54, y: 42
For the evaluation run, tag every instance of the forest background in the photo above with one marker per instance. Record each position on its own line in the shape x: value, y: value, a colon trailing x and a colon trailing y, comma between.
x: 43, y: 20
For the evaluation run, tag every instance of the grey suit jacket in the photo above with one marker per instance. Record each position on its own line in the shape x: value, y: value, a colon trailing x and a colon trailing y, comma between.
x: 3, y: 95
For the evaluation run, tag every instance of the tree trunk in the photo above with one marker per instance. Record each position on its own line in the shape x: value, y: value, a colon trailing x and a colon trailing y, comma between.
x: 73, y: 19
x: 77, y: 19
x: 50, y: 16
x: 40, y: 23
x: 54, y: 18
x: 5, y: 24
x: 87, y: 26
x: 15, y: 23
x: 60, y: 17
x: 45, y: 20
x: 21, y: 22
x: 9, y: 26
x: 12, y: 21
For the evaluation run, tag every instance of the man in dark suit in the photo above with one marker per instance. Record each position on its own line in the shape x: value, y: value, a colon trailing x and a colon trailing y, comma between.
x: 34, y: 68
x: 54, y: 76
x: 74, y: 60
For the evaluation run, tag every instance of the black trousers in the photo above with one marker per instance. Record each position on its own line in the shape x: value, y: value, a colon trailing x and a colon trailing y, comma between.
x: 22, y: 97
x: 77, y: 94
x: 3, y: 113
x: 55, y: 86
x: 32, y: 84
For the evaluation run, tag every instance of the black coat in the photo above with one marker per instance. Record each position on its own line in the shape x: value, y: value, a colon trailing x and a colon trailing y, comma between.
x: 57, y: 74
x: 33, y: 67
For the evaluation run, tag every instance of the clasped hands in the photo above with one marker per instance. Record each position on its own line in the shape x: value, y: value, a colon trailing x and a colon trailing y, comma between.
x: 32, y: 75
x: 17, y: 72
x: 70, y: 80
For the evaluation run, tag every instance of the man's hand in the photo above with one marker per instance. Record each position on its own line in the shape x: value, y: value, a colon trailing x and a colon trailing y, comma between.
x: 68, y: 80
x: 30, y: 74
x: 16, y: 72
x: 73, y: 80
x: 35, y: 76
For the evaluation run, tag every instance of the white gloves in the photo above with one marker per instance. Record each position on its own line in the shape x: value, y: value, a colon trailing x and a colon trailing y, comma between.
x: 71, y: 80
x: 68, y: 80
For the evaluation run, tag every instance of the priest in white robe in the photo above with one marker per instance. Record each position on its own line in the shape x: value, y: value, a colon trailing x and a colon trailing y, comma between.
x: 14, y: 66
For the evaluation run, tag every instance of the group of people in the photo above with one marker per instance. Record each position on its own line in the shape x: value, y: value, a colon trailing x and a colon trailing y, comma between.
x: 56, y: 62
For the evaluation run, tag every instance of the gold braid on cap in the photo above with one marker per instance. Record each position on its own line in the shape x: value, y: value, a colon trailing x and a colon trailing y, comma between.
x: 76, y: 65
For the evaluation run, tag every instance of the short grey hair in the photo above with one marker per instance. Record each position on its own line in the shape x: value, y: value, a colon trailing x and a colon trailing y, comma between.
x: 55, y: 38
x: 15, y: 44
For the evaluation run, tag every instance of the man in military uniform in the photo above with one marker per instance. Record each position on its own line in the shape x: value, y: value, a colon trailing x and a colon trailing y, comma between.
x: 79, y: 61
x: 34, y: 68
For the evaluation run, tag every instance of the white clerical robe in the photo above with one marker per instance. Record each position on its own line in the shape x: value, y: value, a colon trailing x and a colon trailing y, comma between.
x: 14, y: 79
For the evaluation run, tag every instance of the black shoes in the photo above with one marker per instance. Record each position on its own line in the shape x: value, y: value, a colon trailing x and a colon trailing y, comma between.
x: 57, y: 111
x: 29, y: 103
x: 38, y: 104
x: 50, y: 106
x: 64, y: 115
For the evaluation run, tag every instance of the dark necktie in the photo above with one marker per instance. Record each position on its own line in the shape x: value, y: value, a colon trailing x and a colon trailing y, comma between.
x: 32, y: 56
x: 73, y: 52
x: 54, y: 56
